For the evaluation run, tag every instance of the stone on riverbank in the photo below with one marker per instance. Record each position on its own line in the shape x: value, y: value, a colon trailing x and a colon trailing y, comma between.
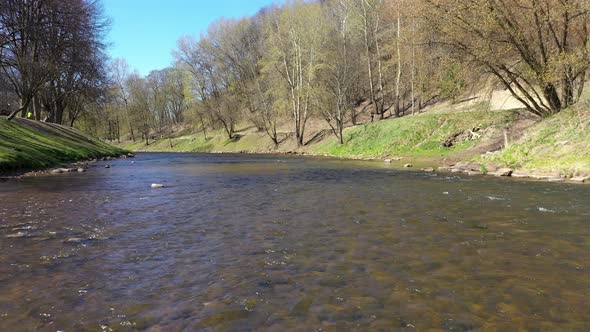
x: 521, y: 174
x: 59, y: 171
x: 580, y: 179
x: 546, y: 176
x: 501, y: 172
x: 428, y: 169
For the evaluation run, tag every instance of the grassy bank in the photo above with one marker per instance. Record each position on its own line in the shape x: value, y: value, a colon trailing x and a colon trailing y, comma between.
x: 26, y: 144
x: 422, y: 136
x: 419, y: 136
x: 560, y: 143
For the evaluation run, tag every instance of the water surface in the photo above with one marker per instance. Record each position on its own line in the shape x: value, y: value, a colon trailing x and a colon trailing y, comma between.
x: 275, y: 243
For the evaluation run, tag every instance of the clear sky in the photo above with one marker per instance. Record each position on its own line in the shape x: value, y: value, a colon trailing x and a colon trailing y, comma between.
x: 145, y: 31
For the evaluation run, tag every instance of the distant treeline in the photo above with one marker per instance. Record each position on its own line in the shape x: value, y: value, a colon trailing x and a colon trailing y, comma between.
x: 331, y: 60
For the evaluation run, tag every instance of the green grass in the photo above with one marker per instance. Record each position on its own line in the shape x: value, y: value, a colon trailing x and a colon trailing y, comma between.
x: 26, y: 144
x: 216, y: 141
x: 559, y: 143
x: 418, y: 136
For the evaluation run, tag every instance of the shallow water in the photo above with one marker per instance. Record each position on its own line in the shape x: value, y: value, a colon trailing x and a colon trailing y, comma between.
x: 242, y: 243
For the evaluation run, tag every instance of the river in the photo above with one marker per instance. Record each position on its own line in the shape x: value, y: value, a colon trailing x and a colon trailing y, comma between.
x: 275, y: 243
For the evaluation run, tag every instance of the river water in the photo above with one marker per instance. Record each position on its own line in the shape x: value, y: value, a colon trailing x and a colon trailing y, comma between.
x: 275, y: 243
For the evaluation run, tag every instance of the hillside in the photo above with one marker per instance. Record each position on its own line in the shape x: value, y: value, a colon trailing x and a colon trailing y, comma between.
x: 471, y: 132
x: 26, y: 144
x: 560, y: 143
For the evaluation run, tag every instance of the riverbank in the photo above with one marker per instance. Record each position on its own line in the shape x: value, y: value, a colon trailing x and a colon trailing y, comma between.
x: 31, y: 145
x: 473, y: 140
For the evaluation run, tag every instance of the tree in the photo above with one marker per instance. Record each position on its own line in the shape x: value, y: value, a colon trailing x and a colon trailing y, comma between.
x: 338, y: 93
x: 52, y: 52
x: 538, y: 49
x: 119, y: 70
x: 294, y: 39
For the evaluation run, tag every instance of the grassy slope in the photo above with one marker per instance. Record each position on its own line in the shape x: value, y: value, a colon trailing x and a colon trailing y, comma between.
x: 560, y: 143
x: 217, y: 142
x: 28, y: 144
x: 418, y: 136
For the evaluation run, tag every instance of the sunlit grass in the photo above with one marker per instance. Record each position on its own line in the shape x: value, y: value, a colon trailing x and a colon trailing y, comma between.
x: 559, y: 143
x: 28, y: 144
x: 417, y: 136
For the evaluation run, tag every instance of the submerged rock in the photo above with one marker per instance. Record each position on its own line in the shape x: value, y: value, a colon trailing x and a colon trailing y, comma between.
x: 74, y: 240
x: 302, y: 307
x: 17, y: 235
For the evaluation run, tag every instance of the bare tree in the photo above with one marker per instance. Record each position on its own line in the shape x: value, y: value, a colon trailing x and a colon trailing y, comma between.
x: 538, y: 49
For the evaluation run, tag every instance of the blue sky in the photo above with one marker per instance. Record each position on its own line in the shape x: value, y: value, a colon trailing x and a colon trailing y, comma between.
x: 145, y: 31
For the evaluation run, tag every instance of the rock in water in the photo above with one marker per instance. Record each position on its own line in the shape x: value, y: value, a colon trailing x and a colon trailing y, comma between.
x: 107, y: 166
x: 81, y: 170
x: 157, y: 186
x: 408, y: 165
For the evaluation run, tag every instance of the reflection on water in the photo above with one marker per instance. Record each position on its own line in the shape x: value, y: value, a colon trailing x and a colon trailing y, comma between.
x: 278, y: 243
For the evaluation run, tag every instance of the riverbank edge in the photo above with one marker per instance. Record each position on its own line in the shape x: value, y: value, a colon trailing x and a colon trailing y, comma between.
x: 32, y: 148
x: 560, y: 142
x: 441, y: 166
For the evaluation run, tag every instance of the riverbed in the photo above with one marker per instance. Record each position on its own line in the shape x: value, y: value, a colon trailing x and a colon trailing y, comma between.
x: 242, y: 243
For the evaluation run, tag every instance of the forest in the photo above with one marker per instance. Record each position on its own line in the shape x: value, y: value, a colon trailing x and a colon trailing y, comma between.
x: 336, y: 61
